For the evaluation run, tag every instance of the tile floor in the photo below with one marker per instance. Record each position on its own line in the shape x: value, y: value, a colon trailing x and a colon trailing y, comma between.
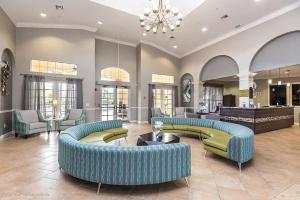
x: 29, y: 170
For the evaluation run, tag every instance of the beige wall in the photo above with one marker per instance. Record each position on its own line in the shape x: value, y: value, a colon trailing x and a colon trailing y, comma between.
x: 106, y: 56
x: 69, y: 46
x: 7, y: 41
x: 232, y: 88
x: 153, y: 61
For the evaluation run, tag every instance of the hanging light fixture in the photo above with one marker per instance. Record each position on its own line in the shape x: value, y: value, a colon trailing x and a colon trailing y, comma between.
x: 161, y: 16
x: 279, y: 81
x: 270, y: 81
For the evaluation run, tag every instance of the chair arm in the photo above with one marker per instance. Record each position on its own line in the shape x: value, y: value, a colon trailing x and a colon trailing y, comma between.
x: 81, y: 119
x: 22, y: 127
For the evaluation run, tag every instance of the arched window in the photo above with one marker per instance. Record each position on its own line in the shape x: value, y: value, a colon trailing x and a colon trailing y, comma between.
x: 114, y: 74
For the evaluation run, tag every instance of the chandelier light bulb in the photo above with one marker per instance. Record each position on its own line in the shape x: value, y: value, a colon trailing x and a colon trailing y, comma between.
x: 147, y: 12
x: 154, y: 29
x: 147, y: 28
x: 164, y: 30
x: 270, y: 81
x: 142, y: 24
x: 172, y: 27
x: 180, y: 17
x: 142, y: 18
x: 168, y: 9
x: 175, y: 11
x: 177, y: 23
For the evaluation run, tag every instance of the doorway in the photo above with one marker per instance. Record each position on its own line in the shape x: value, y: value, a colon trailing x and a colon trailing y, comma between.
x: 163, y: 99
x: 114, y: 103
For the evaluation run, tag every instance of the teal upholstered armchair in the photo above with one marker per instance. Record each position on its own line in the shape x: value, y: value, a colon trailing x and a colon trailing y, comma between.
x: 30, y: 122
x: 156, y: 112
x: 73, y: 117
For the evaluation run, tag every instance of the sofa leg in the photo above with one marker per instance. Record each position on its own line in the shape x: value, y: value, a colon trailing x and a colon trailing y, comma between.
x: 187, y: 181
x: 98, y: 191
x: 26, y: 136
x: 240, y: 167
x: 16, y: 135
x: 205, y: 153
x: 58, y: 132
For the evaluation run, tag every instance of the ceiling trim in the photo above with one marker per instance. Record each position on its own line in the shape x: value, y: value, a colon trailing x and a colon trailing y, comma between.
x: 57, y: 26
x: 246, y: 27
x: 115, y: 41
x: 160, y: 48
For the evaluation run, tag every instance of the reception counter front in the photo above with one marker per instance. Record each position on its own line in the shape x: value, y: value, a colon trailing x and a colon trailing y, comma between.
x: 260, y: 120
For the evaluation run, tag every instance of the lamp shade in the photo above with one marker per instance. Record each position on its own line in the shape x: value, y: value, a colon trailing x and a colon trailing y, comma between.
x: 54, y: 103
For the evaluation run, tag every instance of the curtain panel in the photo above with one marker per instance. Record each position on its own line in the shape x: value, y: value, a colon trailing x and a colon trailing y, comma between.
x: 34, y: 93
x: 150, y: 101
x: 74, y: 96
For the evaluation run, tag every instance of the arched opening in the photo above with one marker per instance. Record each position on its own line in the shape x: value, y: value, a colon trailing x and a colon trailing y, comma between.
x: 277, y: 68
x: 114, y: 97
x: 7, y: 64
x: 221, y: 83
x: 115, y: 74
x: 187, y: 90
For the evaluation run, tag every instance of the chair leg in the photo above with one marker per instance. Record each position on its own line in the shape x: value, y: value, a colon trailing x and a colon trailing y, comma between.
x: 98, y: 191
x: 240, y: 167
x: 16, y: 135
x: 48, y: 132
x: 187, y: 181
x: 26, y: 136
x: 205, y: 153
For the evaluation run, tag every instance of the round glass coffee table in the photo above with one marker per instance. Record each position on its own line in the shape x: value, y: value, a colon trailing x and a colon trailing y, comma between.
x: 157, y: 139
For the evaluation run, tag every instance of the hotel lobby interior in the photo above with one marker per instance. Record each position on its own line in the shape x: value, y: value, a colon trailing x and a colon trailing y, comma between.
x: 150, y: 99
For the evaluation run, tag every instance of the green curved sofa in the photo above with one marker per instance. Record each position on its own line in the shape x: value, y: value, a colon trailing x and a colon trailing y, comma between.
x: 115, y: 165
x: 231, y: 141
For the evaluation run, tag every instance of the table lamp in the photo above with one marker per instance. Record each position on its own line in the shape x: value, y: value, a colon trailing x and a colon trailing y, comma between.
x: 54, y: 104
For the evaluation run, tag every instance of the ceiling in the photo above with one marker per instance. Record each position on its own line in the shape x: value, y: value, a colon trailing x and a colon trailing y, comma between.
x: 121, y: 22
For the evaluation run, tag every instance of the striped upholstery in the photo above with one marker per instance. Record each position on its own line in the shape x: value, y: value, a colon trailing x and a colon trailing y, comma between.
x: 121, y: 165
x: 241, y: 144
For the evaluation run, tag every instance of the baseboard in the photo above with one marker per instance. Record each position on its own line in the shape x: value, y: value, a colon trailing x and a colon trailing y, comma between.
x: 133, y: 121
x: 6, y: 135
x: 143, y: 122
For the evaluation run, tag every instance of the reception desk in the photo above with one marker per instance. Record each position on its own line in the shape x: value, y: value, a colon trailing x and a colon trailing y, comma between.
x: 260, y: 120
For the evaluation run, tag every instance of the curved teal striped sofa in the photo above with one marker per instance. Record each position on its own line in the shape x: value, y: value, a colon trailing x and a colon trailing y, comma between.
x: 117, y: 165
x: 240, y: 145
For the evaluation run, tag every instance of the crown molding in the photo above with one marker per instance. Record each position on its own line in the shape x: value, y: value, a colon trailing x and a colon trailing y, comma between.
x: 246, y: 27
x: 56, y: 26
x: 160, y: 48
x: 115, y: 41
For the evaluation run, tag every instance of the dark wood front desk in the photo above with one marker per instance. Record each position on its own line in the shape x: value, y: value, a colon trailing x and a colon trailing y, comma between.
x: 260, y: 120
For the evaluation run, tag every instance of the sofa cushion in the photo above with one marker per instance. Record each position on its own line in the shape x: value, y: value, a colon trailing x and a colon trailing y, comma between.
x: 29, y: 116
x: 36, y: 125
x: 117, y: 131
x: 196, y: 129
x: 168, y: 127
x: 94, y: 137
x: 181, y: 127
x: 75, y: 114
x: 217, y: 142
x: 70, y: 122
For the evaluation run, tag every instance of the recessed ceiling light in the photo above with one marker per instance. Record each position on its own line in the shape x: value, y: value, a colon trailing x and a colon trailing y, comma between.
x: 175, y: 46
x: 204, y: 29
x: 257, y: 0
x: 43, y: 15
x: 99, y: 22
x: 144, y: 34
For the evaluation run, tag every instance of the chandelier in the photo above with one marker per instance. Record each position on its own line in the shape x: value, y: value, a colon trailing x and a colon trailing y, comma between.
x: 161, y: 16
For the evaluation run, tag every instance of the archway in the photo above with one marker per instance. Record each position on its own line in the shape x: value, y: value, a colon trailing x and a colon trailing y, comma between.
x: 281, y: 51
x: 6, y: 66
x: 219, y: 83
x: 187, y: 90
x: 219, y: 67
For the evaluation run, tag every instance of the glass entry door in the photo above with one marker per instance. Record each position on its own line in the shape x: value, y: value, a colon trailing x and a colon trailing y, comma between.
x: 114, y: 103
x: 163, y: 99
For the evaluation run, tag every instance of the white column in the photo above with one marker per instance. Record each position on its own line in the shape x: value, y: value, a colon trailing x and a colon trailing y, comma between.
x: 246, y: 81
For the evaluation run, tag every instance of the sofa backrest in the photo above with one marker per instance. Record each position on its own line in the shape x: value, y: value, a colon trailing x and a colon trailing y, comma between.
x: 184, y: 121
x: 75, y: 114
x: 80, y: 131
x: 29, y: 116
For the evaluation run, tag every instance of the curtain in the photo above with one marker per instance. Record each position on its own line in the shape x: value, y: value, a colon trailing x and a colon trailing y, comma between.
x: 212, y: 97
x: 175, y: 96
x: 74, y: 96
x: 150, y: 101
x: 34, y: 93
